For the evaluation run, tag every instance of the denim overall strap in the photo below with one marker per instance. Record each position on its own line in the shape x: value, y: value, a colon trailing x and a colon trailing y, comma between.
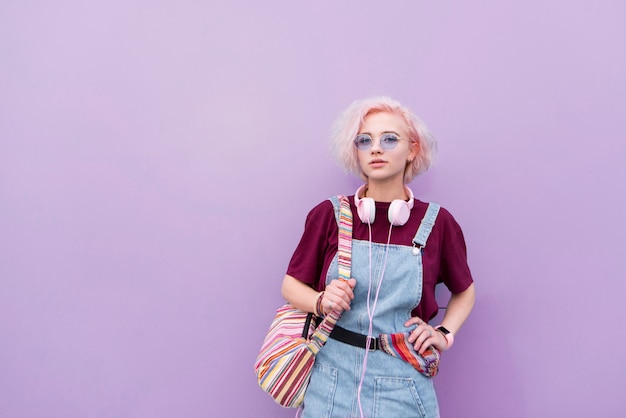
x: 426, y: 226
x: 336, y: 201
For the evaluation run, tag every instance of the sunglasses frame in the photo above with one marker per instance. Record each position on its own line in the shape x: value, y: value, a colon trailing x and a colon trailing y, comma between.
x: 385, y: 145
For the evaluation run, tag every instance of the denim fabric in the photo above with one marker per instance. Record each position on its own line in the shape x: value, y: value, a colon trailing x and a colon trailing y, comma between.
x: 392, y: 387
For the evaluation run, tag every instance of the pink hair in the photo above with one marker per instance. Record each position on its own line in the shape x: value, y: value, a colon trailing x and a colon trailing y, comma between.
x: 348, y: 124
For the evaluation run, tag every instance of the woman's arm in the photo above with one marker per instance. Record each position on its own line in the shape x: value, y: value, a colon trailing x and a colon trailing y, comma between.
x: 458, y: 309
x: 337, y: 296
x: 299, y: 294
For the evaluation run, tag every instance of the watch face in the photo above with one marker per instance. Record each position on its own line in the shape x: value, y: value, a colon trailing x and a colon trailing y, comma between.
x: 442, y: 329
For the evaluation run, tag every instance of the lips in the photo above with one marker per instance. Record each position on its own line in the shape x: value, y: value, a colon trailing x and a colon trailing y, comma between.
x: 377, y: 163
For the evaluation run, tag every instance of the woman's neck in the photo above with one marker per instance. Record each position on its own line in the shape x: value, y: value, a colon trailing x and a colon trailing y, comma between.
x: 385, y: 192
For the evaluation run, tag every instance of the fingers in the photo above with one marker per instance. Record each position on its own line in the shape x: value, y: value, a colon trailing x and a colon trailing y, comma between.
x: 338, y: 296
x: 342, y: 289
x: 423, y: 336
x: 413, y: 321
x: 332, y: 302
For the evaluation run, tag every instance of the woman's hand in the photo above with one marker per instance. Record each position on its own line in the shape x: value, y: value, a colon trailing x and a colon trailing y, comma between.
x: 423, y: 336
x: 338, y: 296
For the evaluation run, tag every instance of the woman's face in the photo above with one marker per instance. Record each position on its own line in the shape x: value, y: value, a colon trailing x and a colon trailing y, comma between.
x: 378, y: 163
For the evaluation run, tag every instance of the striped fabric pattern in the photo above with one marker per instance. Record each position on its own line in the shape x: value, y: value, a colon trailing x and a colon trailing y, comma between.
x: 283, y: 366
x: 398, y: 345
x: 345, y: 240
x: 284, y: 363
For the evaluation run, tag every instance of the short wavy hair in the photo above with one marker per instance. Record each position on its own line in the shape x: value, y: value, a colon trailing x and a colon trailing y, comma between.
x: 347, y: 126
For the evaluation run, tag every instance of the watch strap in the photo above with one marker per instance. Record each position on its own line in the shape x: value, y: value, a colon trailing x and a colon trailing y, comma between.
x: 446, y: 333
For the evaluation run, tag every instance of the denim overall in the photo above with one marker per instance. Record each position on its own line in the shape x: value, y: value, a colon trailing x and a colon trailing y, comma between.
x: 391, y: 387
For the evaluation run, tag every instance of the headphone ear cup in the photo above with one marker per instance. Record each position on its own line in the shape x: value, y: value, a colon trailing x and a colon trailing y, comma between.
x: 399, y: 212
x: 366, y: 209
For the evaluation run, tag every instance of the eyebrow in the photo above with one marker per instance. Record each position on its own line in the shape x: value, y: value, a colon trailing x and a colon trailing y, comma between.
x: 382, y: 133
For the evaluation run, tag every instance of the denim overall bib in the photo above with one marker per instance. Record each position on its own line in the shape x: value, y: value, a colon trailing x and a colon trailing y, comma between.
x: 391, y: 387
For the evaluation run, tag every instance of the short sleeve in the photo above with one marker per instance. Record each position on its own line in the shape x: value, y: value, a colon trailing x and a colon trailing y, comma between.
x: 308, y: 261
x: 454, y: 269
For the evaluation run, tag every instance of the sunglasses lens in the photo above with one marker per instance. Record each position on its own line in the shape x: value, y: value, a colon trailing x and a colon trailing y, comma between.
x: 389, y: 141
x: 363, y: 142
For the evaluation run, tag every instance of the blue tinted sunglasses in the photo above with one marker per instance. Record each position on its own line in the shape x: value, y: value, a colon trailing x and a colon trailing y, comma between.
x: 388, y: 141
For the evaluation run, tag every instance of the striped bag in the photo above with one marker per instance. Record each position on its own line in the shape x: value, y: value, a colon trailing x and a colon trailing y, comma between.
x: 284, y: 364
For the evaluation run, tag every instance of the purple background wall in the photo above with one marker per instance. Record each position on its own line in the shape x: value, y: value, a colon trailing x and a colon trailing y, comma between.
x: 157, y: 160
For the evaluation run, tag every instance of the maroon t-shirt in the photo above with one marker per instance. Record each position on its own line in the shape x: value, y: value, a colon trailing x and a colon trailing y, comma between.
x: 444, y: 257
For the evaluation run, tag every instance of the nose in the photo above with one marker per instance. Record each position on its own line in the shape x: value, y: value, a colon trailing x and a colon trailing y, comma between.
x: 376, y: 146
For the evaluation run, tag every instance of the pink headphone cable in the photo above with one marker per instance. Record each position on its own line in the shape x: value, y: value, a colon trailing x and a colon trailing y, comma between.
x: 370, y: 313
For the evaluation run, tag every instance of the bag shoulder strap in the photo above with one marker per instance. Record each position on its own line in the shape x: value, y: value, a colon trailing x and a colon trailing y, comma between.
x: 343, y: 216
x: 426, y: 226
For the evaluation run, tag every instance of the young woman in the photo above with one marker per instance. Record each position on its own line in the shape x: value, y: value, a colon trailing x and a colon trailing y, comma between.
x: 392, y: 289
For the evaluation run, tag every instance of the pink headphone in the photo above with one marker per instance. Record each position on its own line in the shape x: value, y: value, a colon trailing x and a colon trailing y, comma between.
x: 399, y: 210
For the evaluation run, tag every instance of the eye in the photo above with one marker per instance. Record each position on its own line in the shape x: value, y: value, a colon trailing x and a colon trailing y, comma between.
x: 362, y: 140
x: 389, y: 139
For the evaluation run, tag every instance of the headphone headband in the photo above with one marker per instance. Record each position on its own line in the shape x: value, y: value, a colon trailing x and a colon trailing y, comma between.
x: 398, y: 213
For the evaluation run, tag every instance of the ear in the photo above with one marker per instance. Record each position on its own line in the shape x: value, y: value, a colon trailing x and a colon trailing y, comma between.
x: 414, y: 150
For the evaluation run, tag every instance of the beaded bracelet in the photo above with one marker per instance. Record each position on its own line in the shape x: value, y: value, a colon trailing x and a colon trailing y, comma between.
x: 318, y: 305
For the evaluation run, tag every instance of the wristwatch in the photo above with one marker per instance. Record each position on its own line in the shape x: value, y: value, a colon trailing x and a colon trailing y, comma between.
x: 449, y: 336
x: 442, y: 329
